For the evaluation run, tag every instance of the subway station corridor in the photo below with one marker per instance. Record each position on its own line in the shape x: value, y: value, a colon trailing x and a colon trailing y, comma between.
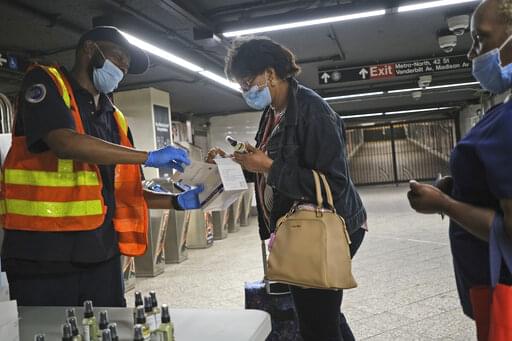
x: 404, y: 271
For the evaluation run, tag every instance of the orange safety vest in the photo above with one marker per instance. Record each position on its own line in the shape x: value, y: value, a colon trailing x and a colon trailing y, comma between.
x: 41, y: 192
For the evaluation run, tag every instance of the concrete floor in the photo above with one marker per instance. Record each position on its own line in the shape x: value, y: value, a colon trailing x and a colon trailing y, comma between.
x: 406, y: 285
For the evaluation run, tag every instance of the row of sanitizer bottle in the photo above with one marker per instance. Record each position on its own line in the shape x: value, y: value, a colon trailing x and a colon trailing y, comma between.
x: 151, y: 322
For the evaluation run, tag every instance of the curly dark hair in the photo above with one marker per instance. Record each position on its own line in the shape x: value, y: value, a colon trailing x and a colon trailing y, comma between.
x: 251, y: 56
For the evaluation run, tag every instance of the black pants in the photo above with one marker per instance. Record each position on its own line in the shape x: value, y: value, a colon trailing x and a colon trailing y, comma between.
x: 100, y: 282
x: 319, y: 311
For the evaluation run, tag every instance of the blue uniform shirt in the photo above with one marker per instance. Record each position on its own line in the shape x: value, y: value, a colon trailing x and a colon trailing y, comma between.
x: 481, y: 166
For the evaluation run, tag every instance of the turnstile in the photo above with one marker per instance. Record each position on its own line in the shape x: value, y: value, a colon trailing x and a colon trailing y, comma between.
x: 200, y: 230
x: 152, y: 263
x: 234, y: 216
x: 220, y: 224
x: 246, y: 205
x: 176, y: 237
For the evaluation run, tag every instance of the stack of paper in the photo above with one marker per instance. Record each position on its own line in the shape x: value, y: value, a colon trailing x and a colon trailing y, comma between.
x: 9, y: 330
x: 223, y: 183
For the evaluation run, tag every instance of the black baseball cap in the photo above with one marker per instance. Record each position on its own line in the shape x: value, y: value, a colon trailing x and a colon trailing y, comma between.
x: 139, y: 60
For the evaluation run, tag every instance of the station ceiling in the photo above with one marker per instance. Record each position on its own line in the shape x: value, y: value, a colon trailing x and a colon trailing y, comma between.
x: 47, y: 31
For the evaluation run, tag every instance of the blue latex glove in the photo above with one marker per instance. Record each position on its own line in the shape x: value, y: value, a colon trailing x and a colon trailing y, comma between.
x: 189, y: 200
x: 169, y: 156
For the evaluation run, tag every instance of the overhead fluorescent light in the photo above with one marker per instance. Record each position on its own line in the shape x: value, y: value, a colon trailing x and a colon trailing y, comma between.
x: 363, y: 115
x: 305, y: 23
x: 179, y: 61
x: 444, y: 86
x: 416, y: 110
x: 451, y: 85
x: 431, y: 4
x: 161, y: 53
x: 221, y: 80
x: 366, y: 94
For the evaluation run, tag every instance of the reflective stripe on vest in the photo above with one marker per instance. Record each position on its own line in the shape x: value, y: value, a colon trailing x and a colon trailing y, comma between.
x: 54, y: 209
x: 64, y: 177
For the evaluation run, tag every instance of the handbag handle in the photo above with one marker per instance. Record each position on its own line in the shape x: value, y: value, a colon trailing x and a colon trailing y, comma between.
x: 328, y: 191
x: 318, y: 188
x: 319, y: 197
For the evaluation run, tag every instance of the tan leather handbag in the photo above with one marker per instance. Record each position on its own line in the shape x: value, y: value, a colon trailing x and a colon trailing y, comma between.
x: 311, y: 246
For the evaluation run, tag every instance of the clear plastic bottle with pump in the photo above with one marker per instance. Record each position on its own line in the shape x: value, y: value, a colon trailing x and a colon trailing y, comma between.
x: 141, y: 320
x: 113, y: 331
x: 74, y: 329
x: 138, y: 302
x: 138, y: 333
x: 89, y: 323
x: 150, y: 315
x: 156, y: 309
x: 166, y: 330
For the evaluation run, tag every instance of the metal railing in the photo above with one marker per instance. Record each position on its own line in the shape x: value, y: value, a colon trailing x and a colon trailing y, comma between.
x: 392, y: 153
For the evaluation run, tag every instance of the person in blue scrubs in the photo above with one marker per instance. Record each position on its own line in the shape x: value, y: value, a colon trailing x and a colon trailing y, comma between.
x: 480, y: 189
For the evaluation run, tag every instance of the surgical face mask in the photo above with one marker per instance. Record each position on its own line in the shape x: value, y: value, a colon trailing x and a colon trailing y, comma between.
x: 106, y: 78
x: 258, y: 98
x: 488, y: 71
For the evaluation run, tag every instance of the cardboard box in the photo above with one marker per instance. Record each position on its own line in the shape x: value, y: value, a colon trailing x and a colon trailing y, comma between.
x: 223, y: 182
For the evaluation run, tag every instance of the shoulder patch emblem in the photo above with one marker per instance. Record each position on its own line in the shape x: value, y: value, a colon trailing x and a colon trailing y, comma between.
x: 36, y: 93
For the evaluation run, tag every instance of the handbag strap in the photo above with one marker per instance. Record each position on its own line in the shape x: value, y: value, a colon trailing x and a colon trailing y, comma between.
x: 318, y: 188
x: 328, y: 191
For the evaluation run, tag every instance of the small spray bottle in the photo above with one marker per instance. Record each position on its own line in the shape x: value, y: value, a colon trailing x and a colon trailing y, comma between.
x: 156, y: 309
x: 238, y: 146
x: 70, y: 313
x: 39, y: 337
x: 67, y: 335
x: 74, y: 329
x: 138, y: 302
x: 113, y: 331
x: 138, y: 333
x: 89, y: 323
x: 166, y: 330
x: 150, y: 316
x: 106, y: 335
x: 141, y: 321
x: 103, y: 322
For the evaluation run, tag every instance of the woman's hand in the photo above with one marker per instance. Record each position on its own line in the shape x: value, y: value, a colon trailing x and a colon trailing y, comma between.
x: 254, y: 160
x: 213, y: 153
x: 426, y: 199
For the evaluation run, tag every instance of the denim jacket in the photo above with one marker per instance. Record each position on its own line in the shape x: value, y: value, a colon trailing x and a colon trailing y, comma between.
x: 310, y: 136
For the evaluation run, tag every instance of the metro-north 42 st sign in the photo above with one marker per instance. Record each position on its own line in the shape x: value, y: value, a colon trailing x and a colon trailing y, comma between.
x: 392, y: 70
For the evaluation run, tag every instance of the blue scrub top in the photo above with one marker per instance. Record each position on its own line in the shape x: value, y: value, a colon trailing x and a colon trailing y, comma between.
x: 481, y: 166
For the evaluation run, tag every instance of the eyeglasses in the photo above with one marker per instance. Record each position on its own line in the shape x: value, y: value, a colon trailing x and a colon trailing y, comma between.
x: 246, y: 85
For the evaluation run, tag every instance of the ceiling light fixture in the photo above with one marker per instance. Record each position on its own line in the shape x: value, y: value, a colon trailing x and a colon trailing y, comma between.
x: 431, y: 4
x: 366, y: 94
x: 221, y: 80
x: 305, y: 23
x: 444, y: 86
x: 416, y: 110
x: 363, y: 115
x: 180, y: 61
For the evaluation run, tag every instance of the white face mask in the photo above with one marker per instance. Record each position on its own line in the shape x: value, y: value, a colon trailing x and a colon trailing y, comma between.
x: 106, y: 78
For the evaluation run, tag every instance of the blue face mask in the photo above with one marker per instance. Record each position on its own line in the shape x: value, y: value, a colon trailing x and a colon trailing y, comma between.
x: 258, y: 98
x: 107, y: 78
x: 488, y: 71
